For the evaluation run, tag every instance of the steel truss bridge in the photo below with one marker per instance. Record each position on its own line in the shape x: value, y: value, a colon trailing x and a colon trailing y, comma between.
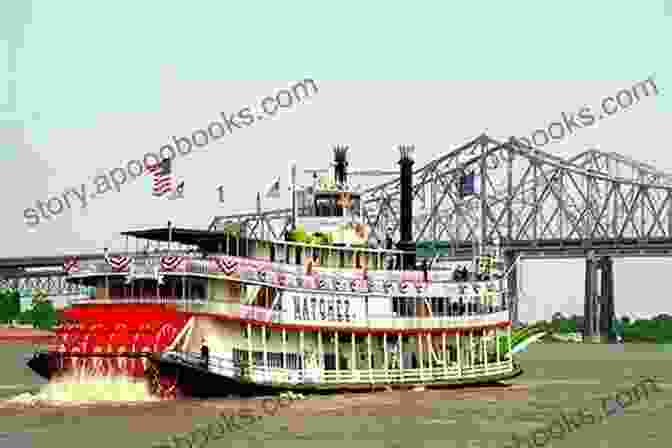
x: 595, y: 205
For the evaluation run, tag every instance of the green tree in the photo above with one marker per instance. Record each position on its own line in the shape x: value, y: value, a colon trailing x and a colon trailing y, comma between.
x: 567, y: 326
x: 10, y: 305
x: 43, y: 315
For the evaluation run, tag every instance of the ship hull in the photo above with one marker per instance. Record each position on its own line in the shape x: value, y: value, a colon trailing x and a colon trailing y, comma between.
x: 174, y: 367
x: 45, y: 364
x: 192, y: 379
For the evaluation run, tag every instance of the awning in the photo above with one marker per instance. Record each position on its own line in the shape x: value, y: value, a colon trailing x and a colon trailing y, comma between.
x: 203, y: 238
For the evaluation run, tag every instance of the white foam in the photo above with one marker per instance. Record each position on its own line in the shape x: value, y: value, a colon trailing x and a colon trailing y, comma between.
x: 83, y: 389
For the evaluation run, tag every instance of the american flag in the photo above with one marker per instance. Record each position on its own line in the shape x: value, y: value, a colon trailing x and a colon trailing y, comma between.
x: 470, y: 184
x: 163, y: 180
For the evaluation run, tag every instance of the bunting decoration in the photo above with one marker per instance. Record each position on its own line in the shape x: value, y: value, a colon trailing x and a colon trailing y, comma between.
x: 119, y: 263
x: 280, y: 278
x: 281, y: 275
x: 310, y: 282
x: 227, y: 265
x: 360, y: 285
x: 171, y: 263
x: 71, y: 265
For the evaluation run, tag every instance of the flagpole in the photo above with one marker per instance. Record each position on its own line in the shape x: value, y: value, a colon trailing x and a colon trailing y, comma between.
x: 170, y: 234
x: 481, y: 187
x: 261, y: 219
x: 292, y: 176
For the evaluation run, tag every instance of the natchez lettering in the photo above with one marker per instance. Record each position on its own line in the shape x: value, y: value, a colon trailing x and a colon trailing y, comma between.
x: 332, y: 308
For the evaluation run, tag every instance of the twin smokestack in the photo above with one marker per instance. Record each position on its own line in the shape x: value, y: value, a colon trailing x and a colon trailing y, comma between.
x: 341, y: 164
x: 406, y: 160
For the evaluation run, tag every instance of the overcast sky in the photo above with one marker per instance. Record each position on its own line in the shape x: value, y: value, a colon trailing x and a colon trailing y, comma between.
x: 99, y: 85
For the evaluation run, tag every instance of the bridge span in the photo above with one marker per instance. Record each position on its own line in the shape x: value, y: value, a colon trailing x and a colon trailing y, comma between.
x: 597, y: 206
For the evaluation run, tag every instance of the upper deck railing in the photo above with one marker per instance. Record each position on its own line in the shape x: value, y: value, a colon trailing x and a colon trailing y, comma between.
x: 290, y: 258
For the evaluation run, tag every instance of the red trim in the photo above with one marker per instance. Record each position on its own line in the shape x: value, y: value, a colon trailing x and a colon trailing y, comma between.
x: 148, y: 312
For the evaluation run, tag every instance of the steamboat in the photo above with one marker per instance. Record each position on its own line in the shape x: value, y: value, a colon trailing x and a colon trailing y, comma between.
x: 321, y: 307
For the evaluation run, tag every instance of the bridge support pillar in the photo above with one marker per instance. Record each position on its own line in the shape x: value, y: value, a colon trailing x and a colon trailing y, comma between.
x: 599, y: 300
x: 607, y: 300
x: 591, y: 328
x: 511, y: 267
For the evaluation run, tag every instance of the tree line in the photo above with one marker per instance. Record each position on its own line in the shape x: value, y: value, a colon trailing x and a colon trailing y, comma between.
x: 658, y: 329
x: 41, y: 314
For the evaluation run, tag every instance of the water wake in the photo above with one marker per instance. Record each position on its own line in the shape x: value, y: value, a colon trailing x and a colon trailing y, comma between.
x: 79, y: 389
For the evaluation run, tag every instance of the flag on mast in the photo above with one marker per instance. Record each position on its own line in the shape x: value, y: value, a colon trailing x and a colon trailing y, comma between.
x: 471, y: 184
x: 273, y: 189
x: 163, y: 181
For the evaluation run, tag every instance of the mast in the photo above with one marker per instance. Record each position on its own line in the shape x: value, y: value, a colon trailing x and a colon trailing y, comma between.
x: 170, y: 234
x: 292, y: 189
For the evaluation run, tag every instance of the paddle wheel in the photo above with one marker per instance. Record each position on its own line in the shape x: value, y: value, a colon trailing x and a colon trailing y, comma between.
x: 164, y: 386
x: 116, y: 341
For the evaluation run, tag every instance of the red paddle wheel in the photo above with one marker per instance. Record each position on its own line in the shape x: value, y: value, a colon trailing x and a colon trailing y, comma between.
x: 119, y: 329
x: 167, y: 388
x: 166, y: 335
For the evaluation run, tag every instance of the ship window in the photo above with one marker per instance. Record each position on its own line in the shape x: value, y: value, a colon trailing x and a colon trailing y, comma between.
x: 325, y: 206
x: 403, y: 306
x: 197, y: 289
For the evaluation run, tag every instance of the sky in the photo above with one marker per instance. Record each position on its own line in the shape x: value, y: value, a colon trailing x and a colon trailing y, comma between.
x: 90, y: 87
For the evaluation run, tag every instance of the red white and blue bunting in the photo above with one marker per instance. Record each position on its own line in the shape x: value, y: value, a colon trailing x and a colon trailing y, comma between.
x: 71, y: 265
x: 119, y: 263
x: 171, y: 263
x: 408, y: 283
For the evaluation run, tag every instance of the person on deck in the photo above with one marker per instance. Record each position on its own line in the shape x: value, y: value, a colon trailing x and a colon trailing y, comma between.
x: 205, y: 354
x: 311, y: 263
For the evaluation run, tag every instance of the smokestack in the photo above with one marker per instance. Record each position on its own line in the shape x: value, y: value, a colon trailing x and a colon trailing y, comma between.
x: 406, y: 243
x: 340, y: 164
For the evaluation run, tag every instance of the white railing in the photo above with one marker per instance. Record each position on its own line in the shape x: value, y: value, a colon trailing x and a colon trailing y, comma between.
x: 285, y: 258
x: 275, y: 375
x: 439, y: 283
x: 404, y: 323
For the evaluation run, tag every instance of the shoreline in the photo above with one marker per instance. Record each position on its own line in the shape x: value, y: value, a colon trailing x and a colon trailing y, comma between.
x: 9, y: 335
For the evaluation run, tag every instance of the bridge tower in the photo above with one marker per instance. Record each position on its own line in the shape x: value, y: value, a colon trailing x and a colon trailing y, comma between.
x: 511, y: 266
x: 599, y: 299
